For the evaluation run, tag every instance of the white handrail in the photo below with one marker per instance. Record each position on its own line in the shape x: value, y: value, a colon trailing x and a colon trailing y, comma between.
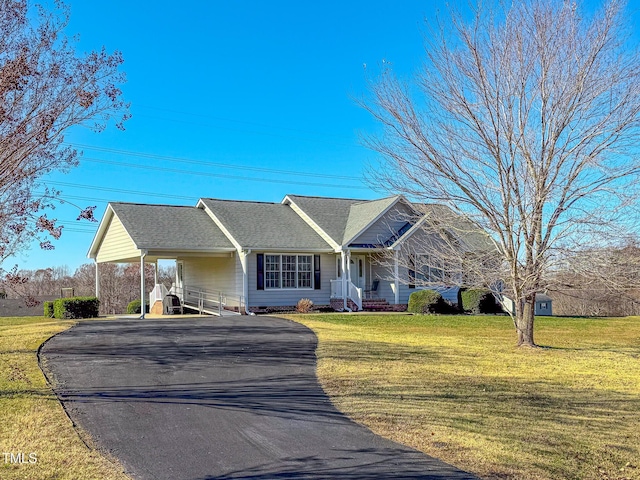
x: 158, y: 293
x: 355, y: 293
x: 209, y: 301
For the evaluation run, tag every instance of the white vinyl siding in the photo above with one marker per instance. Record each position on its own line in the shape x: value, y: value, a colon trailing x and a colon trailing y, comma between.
x: 117, y: 245
x: 211, y: 274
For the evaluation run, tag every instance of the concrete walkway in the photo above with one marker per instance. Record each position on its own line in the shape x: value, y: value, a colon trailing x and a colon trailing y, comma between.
x: 217, y: 398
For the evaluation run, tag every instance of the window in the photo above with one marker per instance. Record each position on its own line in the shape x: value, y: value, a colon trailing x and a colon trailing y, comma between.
x: 272, y: 271
x: 428, y: 269
x: 304, y: 271
x: 288, y: 271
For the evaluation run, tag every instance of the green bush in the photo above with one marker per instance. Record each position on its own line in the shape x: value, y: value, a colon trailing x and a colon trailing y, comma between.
x: 478, y: 300
x: 76, y: 307
x: 48, y: 309
x: 427, y: 301
x: 134, y: 307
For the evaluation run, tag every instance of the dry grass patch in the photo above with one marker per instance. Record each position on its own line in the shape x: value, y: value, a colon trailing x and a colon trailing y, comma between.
x: 32, y: 419
x: 456, y: 388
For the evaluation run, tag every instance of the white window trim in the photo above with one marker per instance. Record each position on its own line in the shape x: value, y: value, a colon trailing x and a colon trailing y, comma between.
x: 418, y: 272
x: 280, y: 255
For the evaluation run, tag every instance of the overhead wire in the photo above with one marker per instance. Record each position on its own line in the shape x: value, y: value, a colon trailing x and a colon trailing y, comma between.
x: 218, y: 175
x: 122, y: 190
x: 206, y: 163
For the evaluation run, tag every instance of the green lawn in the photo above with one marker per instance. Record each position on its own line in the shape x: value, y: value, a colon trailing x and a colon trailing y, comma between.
x: 32, y: 420
x: 456, y: 388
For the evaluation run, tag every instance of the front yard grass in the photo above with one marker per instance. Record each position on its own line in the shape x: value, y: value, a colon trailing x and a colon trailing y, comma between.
x: 456, y: 387
x: 32, y: 420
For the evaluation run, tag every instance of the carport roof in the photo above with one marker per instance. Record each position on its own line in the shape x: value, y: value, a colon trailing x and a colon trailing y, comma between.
x: 164, y: 228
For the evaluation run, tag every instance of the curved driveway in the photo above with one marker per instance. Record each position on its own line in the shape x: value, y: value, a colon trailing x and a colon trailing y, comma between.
x: 217, y: 398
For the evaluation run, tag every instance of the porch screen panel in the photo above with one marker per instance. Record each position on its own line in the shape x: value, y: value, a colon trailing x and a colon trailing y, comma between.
x: 304, y: 271
x: 272, y: 271
x: 288, y: 271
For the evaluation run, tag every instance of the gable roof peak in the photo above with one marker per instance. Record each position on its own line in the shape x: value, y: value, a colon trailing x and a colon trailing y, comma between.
x: 237, y: 201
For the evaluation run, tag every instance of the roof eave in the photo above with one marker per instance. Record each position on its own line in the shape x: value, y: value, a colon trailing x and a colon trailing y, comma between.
x: 102, y: 230
x: 375, y: 219
x: 312, y: 223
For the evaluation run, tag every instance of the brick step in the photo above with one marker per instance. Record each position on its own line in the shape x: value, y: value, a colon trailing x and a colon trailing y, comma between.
x: 374, y: 300
x: 379, y: 308
x: 377, y: 305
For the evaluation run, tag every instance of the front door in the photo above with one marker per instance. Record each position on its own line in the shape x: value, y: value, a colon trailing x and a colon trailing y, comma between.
x: 356, y: 269
x: 179, y: 277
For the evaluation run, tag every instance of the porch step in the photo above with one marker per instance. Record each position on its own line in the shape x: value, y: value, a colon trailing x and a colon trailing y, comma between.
x: 376, y: 305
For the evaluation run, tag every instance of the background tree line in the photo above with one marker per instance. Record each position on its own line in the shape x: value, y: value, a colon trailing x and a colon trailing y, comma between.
x: 119, y: 283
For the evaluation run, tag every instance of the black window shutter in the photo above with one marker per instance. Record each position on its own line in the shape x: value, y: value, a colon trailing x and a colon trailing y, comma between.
x: 260, y: 259
x: 316, y: 272
x: 412, y: 271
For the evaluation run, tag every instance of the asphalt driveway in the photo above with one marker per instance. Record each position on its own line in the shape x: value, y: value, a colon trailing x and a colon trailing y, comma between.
x: 217, y: 398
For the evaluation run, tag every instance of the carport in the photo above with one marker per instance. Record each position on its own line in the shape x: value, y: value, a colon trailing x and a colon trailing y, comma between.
x: 145, y: 234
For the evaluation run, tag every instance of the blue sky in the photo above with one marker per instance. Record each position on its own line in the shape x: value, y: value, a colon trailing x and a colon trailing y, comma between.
x: 246, y: 88
x: 247, y: 100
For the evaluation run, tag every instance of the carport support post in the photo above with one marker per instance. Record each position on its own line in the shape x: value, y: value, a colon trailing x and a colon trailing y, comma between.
x: 245, y: 280
x: 97, y: 280
x: 143, y: 307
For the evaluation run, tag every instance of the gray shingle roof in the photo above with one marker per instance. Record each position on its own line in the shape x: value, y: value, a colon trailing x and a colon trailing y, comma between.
x: 474, y: 237
x: 265, y: 225
x: 330, y: 214
x: 341, y: 218
x: 167, y: 227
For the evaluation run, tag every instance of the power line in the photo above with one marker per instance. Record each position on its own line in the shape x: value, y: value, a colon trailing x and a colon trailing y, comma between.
x: 206, y: 163
x: 217, y: 175
x: 121, y: 190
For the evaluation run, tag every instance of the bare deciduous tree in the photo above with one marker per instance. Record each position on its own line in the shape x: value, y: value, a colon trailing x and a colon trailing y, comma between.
x: 119, y: 283
x: 524, y: 121
x: 45, y: 88
x: 598, y: 281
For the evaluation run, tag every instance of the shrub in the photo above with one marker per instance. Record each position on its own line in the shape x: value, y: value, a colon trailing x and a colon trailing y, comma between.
x: 134, y: 307
x: 76, y: 307
x: 427, y: 301
x: 478, y: 300
x: 48, y: 309
x: 304, y: 305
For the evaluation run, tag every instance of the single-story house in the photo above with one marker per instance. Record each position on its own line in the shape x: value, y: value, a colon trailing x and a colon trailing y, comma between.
x: 250, y: 256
